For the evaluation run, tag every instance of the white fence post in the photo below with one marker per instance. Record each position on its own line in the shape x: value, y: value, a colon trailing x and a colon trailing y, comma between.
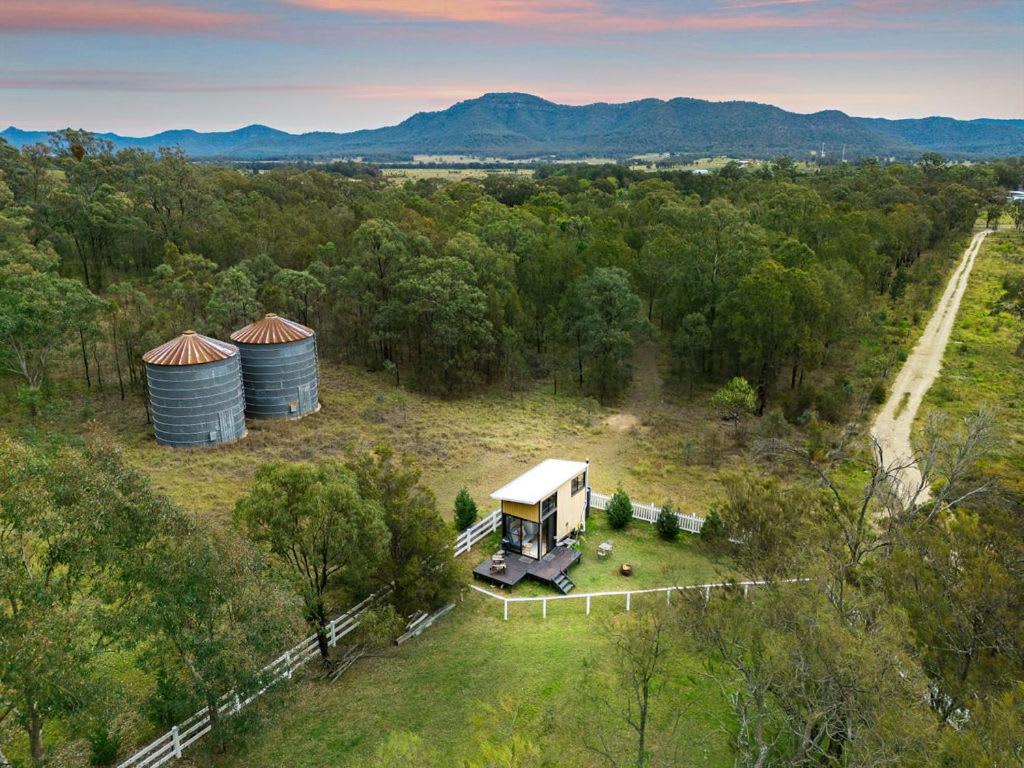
x: 288, y: 662
x: 544, y: 608
x: 176, y: 741
x: 627, y: 599
x: 506, y: 610
x: 668, y: 596
x: 588, y: 605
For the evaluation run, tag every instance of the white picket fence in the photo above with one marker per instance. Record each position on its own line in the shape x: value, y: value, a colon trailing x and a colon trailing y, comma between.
x: 649, y: 512
x: 170, y: 746
x: 627, y: 593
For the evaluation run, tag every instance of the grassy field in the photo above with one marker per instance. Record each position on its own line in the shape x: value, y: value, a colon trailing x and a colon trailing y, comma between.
x: 464, y: 681
x: 657, y: 446
x: 980, y: 369
x: 401, y: 175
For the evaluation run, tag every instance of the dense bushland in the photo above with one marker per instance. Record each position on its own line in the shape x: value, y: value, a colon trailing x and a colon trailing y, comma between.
x: 456, y: 286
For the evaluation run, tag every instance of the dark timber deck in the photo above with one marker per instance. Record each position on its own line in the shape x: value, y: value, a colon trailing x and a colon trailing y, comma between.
x: 518, y: 567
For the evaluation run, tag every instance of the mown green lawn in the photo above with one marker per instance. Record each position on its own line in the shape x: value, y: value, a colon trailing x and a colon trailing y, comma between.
x: 980, y: 369
x: 466, y: 679
x: 656, y: 563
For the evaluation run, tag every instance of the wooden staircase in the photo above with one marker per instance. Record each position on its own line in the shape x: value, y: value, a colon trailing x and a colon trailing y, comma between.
x: 563, y: 583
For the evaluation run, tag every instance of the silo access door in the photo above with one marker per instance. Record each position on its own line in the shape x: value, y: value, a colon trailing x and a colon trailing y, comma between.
x: 305, y: 398
x: 224, y: 417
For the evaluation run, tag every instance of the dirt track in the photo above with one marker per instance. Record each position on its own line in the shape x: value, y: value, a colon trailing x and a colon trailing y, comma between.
x: 893, y: 424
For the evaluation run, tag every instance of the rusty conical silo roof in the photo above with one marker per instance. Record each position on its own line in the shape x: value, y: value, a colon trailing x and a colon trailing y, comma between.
x: 190, y: 348
x: 271, y: 329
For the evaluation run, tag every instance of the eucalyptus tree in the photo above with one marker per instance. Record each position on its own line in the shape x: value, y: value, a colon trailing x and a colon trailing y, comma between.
x: 232, y: 303
x: 445, y: 318
x: 72, y: 525
x: 603, y: 323
x: 301, y: 293
x: 419, y: 569
x: 39, y: 312
x: 320, y: 529
x: 215, y: 616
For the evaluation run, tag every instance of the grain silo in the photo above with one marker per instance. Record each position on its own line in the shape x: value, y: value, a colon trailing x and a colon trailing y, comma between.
x: 195, y: 391
x: 279, y: 368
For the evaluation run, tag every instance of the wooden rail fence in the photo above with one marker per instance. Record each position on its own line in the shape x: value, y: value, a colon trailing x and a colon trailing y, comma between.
x: 481, y: 528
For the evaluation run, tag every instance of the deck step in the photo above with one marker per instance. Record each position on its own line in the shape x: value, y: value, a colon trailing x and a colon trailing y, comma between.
x: 564, y: 584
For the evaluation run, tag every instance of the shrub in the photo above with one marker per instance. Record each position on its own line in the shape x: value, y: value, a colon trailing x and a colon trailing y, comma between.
x: 735, y: 400
x: 31, y: 398
x: 773, y: 425
x: 878, y: 393
x: 620, y: 510
x: 465, y: 509
x: 899, y: 283
x: 667, y: 523
x: 379, y: 627
x: 714, y: 530
x: 170, y: 702
x: 104, y: 744
x: 834, y: 401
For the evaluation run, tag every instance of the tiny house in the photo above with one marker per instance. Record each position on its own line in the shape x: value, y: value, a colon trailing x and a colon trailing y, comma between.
x: 543, y: 506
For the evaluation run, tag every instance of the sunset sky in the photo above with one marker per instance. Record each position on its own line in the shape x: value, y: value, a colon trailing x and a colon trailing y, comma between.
x: 300, y: 65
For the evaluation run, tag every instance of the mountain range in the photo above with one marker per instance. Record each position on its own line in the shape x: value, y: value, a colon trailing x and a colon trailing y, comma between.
x: 521, y: 126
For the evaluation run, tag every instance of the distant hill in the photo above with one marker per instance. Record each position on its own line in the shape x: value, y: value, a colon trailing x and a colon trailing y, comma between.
x: 518, y: 125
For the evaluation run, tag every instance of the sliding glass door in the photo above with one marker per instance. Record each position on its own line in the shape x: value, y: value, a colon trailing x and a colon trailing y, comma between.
x: 548, y: 531
x: 522, y: 536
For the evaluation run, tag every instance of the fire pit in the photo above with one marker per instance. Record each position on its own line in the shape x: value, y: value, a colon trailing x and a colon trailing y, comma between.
x: 626, y: 569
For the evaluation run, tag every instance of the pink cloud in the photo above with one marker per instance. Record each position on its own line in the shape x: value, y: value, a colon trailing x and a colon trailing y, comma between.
x: 572, y: 14
x: 516, y: 12
x: 117, y: 15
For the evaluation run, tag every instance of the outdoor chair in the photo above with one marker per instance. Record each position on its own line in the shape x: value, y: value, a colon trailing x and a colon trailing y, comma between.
x: 498, y: 562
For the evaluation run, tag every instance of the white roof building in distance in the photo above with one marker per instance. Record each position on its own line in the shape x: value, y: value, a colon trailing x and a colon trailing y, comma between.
x: 540, y: 482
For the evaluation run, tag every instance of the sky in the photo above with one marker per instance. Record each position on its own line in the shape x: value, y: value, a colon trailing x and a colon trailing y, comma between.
x: 299, y: 65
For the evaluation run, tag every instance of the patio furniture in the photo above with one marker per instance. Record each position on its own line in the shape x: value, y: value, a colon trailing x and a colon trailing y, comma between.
x: 498, y: 564
x: 604, y: 549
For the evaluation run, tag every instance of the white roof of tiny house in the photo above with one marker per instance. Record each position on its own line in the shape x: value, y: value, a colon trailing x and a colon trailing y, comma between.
x: 540, y: 482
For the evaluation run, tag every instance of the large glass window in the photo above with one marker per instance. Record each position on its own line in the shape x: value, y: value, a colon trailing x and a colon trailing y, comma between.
x: 522, y: 536
x: 579, y: 483
x: 549, y: 506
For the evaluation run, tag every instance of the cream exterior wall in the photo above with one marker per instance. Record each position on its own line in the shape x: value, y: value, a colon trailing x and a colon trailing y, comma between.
x: 571, y: 509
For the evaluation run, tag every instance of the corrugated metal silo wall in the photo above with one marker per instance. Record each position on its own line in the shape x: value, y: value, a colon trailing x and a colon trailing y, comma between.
x: 194, y: 405
x: 281, y: 380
